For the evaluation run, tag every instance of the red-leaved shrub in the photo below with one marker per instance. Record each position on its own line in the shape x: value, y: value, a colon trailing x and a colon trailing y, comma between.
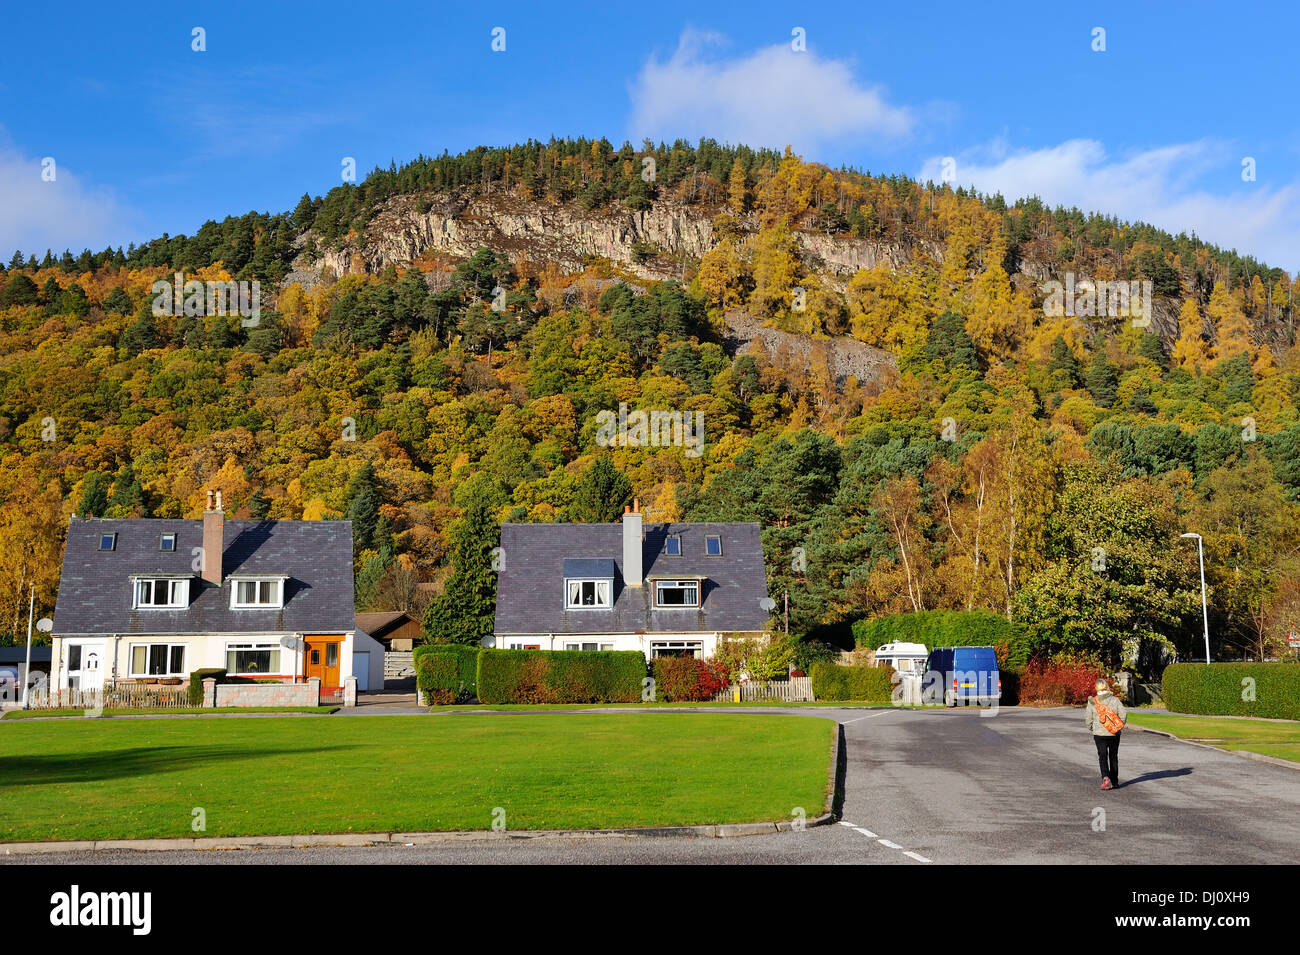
x: 1058, y: 682
x: 686, y: 679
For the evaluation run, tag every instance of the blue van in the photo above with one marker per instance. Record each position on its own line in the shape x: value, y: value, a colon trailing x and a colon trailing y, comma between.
x: 968, y: 675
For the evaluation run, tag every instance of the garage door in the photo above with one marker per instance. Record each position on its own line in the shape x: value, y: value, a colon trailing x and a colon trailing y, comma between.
x: 361, y: 669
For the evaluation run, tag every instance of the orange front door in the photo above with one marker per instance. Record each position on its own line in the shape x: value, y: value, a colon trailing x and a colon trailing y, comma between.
x: 323, y: 661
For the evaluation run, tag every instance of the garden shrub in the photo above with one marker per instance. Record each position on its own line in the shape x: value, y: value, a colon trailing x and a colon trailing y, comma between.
x: 831, y: 681
x: 196, y: 682
x: 560, y: 676
x: 446, y: 667
x: 686, y: 679
x: 1268, y: 690
x: 1059, y: 682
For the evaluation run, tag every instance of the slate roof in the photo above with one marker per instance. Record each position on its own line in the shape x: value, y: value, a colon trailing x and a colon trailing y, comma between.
x: 530, y: 587
x: 95, y: 589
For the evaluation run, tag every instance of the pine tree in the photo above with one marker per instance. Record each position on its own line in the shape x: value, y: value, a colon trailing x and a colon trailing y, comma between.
x: 465, y: 611
x: 94, y: 495
x: 1102, y: 379
x: 601, y: 494
x: 1063, y: 367
x: 363, y: 501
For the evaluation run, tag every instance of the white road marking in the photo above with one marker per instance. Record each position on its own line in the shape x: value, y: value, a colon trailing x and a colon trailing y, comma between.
x: 884, y: 842
x: 867, y: 717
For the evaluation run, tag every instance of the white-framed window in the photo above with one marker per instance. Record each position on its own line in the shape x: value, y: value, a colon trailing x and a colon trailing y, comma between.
x: 589, y: 646
x: 167, y: 542
x: 157, y: 659
x: 677, y: 593
x: 588, y: 594
x: 677, y: 648
x: 713, y: 545
x: 253, y: 658
x: 673, y: 546
x: 161, y: 593
x: 256, y: 592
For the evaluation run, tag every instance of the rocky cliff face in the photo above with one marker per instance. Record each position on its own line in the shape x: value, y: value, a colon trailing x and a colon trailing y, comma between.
x: 655, y: 243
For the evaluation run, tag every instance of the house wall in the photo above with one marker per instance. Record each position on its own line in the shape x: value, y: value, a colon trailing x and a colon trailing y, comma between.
x: 363, y: 641
x: 621, y: 641
x: 202, y: 652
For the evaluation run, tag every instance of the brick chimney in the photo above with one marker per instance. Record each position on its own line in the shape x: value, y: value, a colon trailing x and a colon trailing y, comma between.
x: 632, y: 572
x: 214, y: 538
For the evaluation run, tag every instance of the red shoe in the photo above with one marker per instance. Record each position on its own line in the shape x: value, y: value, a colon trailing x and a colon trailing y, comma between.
x: 1105, y: 783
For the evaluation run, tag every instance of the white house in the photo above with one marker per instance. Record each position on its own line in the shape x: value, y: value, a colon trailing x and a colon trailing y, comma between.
x: 663, y: 589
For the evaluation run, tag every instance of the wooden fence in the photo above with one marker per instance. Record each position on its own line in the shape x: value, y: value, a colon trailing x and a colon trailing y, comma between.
x: 116, y: 696
x: 797, y: 689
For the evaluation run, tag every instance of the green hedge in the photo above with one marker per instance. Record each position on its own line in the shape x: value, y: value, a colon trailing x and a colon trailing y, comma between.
x: 196, y: 682
x: 1216, y: 689
x: 831, y: 681
x: 946, y: 628
x: 446, y: 667
x: 560, y: 676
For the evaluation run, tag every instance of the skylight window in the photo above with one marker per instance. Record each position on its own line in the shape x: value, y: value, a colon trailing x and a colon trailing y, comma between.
x: 673, y: 546
x: 167, y: 542
x: 713, y: 545
x: 107, y: 541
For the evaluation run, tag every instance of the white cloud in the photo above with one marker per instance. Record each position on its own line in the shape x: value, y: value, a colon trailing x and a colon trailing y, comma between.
x: 771, y: 97
x: 1166, y: 187
x: 62, y: 214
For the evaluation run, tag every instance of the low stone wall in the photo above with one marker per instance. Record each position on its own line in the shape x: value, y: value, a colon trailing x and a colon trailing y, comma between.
x: 266, y: 694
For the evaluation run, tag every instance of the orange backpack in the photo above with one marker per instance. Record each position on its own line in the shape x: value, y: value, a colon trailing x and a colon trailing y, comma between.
x: 1109, y: 718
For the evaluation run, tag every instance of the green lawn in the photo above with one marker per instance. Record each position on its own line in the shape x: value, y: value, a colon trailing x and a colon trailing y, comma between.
x: 155, y: 711
x: 1258, y: 736
x: 106, y: 779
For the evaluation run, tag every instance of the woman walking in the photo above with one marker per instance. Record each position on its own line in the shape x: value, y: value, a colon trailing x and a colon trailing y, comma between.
x: 1106, y: 717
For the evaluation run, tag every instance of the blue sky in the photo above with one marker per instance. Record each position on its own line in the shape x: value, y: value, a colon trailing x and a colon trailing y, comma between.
x: 149, y: 136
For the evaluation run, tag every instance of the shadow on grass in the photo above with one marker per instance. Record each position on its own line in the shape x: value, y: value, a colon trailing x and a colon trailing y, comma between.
x: 1151, y: 777
x: 140, y: 761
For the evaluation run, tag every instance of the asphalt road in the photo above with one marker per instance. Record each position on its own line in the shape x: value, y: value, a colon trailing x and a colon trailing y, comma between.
x: 930, y: 788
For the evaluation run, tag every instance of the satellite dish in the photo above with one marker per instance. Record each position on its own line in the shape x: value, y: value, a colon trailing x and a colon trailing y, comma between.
x: 488, y: 642
x: 289, y: 643
x: 45, y: 625
x: 767, y: 603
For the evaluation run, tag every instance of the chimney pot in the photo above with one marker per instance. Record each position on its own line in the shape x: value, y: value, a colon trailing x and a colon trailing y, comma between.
x: 209, y: 507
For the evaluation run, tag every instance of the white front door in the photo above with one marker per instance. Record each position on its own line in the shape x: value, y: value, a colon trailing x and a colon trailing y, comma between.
x: 85, y: 665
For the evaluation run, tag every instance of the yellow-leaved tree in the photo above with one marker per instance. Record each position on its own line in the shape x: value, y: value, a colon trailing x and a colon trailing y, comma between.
x: 1191, y: 353
x: 1231, y: 327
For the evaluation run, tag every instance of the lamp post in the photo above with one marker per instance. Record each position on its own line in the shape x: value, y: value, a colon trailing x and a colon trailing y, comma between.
x: 1205, y: 609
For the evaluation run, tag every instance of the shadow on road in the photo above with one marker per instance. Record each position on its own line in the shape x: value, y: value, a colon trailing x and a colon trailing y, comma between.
x: 1149, y: 777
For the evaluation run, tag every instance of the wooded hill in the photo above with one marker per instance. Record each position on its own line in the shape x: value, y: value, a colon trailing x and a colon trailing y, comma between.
x: 428, y: 388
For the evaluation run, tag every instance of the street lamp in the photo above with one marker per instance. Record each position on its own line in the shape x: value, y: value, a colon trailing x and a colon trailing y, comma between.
x: 1205, y: 609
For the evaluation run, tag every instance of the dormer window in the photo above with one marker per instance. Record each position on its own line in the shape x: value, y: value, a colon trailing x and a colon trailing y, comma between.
x: 161, y: 593
x: 260, y: 592
x: 713, y: 545
x: 673, y: 546
x: 167, y: 542
x: 107, y: 541
x: 677, y: 593
x: 588, y: 594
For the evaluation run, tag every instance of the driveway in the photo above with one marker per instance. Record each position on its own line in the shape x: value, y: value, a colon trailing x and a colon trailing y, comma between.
x: 933, y: 787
